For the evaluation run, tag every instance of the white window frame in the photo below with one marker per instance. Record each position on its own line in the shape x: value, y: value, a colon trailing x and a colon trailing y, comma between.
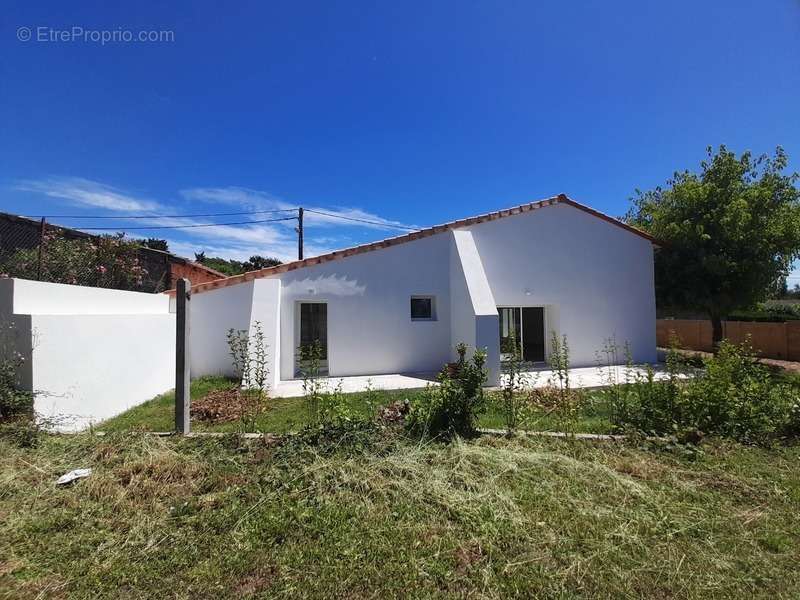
x: 430, y: 297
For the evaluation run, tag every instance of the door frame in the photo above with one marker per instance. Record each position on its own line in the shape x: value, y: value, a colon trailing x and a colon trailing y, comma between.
x: 323, y: 365
x: 545, y: 326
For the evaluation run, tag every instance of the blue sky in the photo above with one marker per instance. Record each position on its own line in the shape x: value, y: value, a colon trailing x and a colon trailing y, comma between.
x: 404, y: 113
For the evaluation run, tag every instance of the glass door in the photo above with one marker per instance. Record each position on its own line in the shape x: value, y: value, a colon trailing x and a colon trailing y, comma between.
x: 510, y: 326
x: 522, y: 327
x: 533, y: 334
x: 314, y: 329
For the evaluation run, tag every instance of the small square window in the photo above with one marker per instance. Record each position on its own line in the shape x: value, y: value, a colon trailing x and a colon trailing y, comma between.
x: 422, y: 308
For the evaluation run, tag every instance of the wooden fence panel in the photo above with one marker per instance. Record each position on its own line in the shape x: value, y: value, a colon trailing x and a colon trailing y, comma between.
x: 793, y: 340
x: 692, y: 334
x: 772, y: 340
x: 767, y: 339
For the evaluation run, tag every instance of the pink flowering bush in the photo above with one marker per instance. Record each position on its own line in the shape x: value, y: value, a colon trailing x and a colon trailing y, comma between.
x: 107, y: 261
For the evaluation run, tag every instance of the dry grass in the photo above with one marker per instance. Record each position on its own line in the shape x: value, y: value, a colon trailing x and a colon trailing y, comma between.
x: 489, y: 518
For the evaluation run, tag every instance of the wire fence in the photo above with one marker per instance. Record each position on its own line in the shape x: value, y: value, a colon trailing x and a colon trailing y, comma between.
x: 32, y: 248
x: 40, y: 251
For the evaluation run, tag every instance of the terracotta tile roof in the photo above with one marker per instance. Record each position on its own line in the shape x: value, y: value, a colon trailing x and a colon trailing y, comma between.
x: 410, y: 237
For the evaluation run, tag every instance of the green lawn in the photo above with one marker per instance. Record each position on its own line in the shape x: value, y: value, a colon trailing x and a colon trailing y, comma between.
x: 281, y: 415
x: 391, y: 518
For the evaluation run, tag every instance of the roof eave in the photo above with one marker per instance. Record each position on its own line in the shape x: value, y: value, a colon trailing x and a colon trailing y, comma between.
x: 409, y: 237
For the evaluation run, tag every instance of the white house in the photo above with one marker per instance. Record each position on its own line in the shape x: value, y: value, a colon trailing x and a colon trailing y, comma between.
x: 402, y: 304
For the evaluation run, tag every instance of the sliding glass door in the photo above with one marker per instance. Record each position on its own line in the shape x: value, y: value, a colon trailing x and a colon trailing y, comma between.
x: 523, y: 327
x: 510, y: 325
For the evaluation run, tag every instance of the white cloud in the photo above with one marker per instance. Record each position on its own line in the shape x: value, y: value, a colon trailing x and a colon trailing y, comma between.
x: 284, y: 251
x: 237, y: 196
x: 85, y: 192
x: 258, y: 200
x: 238, y: 242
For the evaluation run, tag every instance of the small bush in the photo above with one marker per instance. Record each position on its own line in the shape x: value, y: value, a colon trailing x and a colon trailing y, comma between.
x: 249, y: 359
x: 452, y: 407
x: 328, y: 408
x: 109, y: 261
x: 735, y: 396
x: 14, y: 403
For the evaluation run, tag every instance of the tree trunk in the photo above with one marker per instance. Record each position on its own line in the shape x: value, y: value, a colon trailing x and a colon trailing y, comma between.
x: 716, y: 331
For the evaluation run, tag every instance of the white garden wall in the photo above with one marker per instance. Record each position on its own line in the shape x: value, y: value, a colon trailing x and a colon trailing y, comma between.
x: 90, y: 353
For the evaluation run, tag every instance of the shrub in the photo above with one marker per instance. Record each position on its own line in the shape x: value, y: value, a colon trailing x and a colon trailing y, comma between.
x: 637, y: 400
x: 14, y: 403
x: 328, y: 408
x: 103, y: 261
x: 452, y: 407
x: 249, y: 358
x: 735, y: 396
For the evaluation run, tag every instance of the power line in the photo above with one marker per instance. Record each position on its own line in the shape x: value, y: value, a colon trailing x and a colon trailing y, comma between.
x: 186, y: 226
x: 226, y: 214
x: 387, y: 225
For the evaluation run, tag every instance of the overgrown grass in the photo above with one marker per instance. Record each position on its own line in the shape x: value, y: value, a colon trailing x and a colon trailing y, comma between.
x: 158, y: 414
x: 281, y: 415
x: 496, y: 518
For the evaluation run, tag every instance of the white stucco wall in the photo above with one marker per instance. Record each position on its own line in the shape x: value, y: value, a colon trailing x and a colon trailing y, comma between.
x: 37, y: 297
x: 594, y: 279
x: 266, y: 311
x: 474, y: 319
x: 370, y: 330
x: 89, y: 353
x: 212, y: 315
x: 87, y: 368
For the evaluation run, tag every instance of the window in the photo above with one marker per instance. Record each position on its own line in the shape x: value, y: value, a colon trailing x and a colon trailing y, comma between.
x: 422, y: 308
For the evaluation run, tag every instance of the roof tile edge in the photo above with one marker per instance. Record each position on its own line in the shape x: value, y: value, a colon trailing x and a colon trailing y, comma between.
x: 409, y: 237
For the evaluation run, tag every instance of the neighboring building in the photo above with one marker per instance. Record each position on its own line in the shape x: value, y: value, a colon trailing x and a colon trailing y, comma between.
x: 402, y: 304
x: 166, y: 268
x: 163, y: 268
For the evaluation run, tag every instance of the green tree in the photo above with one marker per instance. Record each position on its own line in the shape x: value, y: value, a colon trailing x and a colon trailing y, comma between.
x: 235, y: 267
x: 729, y: 234
x: 155, y: 244
x: 260, y: 262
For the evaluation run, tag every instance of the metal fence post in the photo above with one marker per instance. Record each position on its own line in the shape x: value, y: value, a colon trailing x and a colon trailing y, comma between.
x: 40, y: 257
x: 182, y: 362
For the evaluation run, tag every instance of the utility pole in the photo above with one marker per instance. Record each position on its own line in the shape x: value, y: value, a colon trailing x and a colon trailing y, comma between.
x: 300, y: 233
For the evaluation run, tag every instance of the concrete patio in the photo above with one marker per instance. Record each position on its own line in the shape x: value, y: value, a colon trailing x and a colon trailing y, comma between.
x: 584, y: 378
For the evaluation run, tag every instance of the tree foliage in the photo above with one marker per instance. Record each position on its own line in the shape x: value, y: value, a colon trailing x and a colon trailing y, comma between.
x: 155, y: 244
x: 729, y: 233
x: 235, y: 267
